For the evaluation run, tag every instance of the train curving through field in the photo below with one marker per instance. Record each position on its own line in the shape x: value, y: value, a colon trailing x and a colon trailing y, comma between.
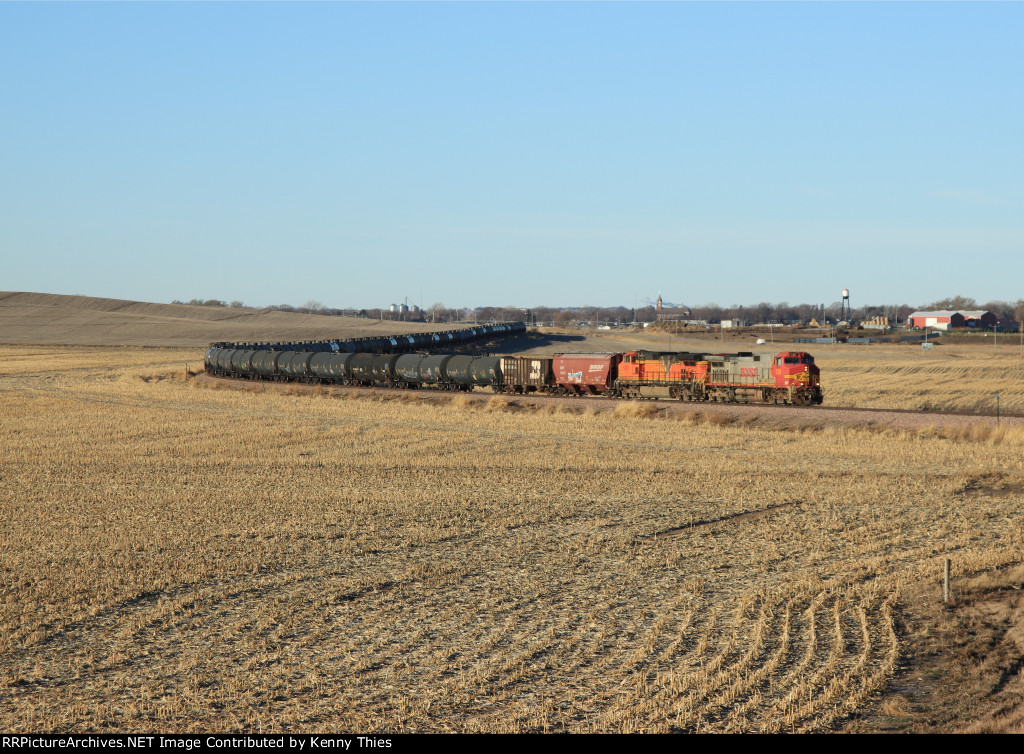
x: 404, y: 343
x: 786, y: 378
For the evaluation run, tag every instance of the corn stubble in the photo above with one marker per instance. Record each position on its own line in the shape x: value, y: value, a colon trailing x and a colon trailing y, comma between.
x: 905, y: 377
x: 191, y: 559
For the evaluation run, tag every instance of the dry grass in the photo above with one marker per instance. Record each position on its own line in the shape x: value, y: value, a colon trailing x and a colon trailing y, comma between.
x: 950, y: 378
x: 960, y: 670
x: 189, y: 559
x: 637, y: 409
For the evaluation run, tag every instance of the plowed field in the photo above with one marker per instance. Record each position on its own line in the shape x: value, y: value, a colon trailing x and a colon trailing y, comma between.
x: 180, y: 557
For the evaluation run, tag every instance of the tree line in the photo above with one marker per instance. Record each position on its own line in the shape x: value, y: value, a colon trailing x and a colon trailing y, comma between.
x: 763, y: 312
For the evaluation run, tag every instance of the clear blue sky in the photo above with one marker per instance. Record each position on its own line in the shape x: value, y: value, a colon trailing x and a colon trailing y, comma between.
x: 513, y: 154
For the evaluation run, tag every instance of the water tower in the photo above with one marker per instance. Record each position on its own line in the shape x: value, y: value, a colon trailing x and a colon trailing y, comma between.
x: 844, y: 312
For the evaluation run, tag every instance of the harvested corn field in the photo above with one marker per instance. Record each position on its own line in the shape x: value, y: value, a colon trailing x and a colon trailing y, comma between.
x: 953, y: 379
x: 184, y: 558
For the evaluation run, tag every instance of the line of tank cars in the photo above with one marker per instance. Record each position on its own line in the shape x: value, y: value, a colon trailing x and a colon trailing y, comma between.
x: 389, y: 343
x: 786, y: 378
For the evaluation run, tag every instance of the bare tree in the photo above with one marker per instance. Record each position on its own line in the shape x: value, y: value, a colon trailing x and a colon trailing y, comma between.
x: 1002, y: 309
x: 1018, y: 312
x: 955, y: 303
x: 437, y: 312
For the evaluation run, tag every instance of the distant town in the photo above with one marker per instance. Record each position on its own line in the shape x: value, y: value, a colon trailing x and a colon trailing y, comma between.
x: 956, y: 313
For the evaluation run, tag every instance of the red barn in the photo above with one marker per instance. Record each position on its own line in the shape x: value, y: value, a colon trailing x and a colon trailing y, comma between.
x: 591, y: 373
x: 948, y: 320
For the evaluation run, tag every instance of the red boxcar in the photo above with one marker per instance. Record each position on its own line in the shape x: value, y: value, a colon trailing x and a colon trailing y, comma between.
x: 586, y: 373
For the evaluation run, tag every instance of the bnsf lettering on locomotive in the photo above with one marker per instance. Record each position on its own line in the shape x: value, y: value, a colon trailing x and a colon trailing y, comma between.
x: 748, y: 371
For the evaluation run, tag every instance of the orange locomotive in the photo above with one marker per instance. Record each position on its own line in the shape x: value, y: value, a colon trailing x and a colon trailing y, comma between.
x: 789, y: 377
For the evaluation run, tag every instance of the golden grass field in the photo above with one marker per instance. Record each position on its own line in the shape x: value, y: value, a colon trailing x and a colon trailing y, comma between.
x: 180, y: 558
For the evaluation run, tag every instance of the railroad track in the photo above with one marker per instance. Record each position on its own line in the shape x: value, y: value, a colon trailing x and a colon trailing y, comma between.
x: 803, y: 415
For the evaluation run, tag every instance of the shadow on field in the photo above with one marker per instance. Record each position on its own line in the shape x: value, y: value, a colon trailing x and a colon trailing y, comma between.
x: 532, y: 340
x: 519, y: 344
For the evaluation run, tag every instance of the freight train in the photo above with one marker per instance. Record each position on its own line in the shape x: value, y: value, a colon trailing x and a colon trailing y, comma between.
x: 390, y: 343
x: 790, y: 377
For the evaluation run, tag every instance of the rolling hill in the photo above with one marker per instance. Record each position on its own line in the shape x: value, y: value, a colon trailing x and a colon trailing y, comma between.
x: 52, y: 319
